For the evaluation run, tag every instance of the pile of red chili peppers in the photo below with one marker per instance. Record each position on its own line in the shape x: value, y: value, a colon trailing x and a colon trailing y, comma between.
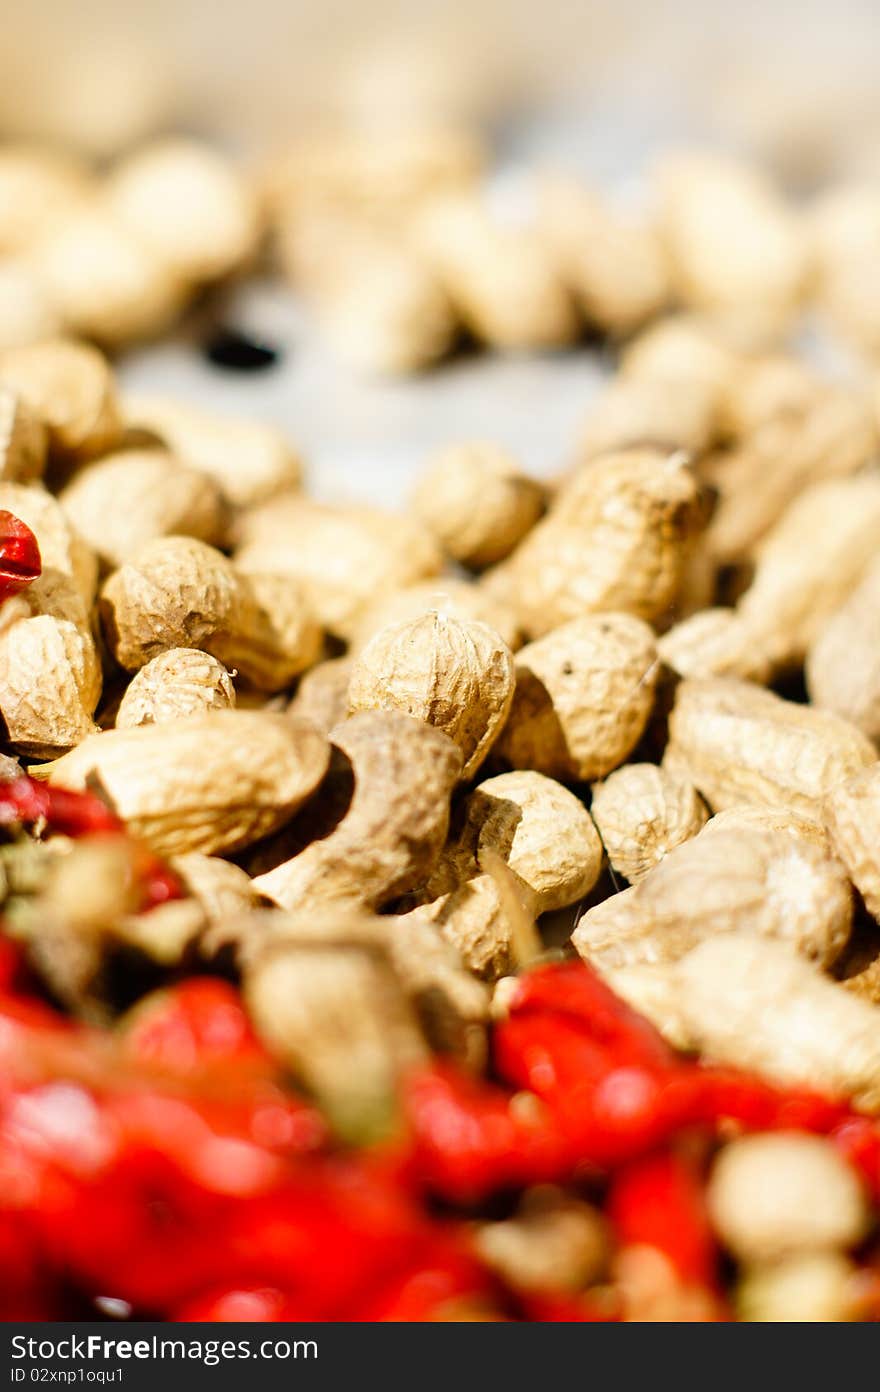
x: 168, y: 1164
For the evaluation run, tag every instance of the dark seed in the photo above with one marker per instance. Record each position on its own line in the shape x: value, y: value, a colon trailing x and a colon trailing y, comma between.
x: 238, y: 353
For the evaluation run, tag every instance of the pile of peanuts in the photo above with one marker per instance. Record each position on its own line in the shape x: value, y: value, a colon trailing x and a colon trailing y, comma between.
x: 382, y: 751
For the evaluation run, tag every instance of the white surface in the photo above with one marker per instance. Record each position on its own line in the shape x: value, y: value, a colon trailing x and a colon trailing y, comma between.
x: 366, y: 439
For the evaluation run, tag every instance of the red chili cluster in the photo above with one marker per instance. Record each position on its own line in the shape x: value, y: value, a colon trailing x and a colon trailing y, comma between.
x: 169, y: 1165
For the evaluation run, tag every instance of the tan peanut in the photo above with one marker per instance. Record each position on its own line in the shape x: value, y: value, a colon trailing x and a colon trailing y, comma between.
x: 378, y: 301
x: 553, y: 1243
x: 616, y: 537
x: 345, y: 557
x: 613, y: 263
x: 538, y: 827
x: 754, y: 1003
x: 23, y: 440
x: 447, y: 594
x: 734, y: 880
x: 178, y: 592
x: 368, y: 170
x: 180, y: 682
x: 733, y: 243
x: 843, y: 663
x: 648, y: 411
x: 37, y: 186
x: 844, y: 226
x: 489, y: 921
x: 322, y: 693
x: 836, y: 524
x: 70, y: 387
x: 385, y: 835
x: 102, y: 281
x: 852, y: 818
x: 50, y: 672
x: 503, y: 277
x: 683, y: 348
x: 764, y: 387
x: 212, y: 782
x: 583, y: 697
x: 452, y: 1006
x: 832, y: 435
x: 809, y: 1288
x: 715, y: 643
x: 742, y: 744
x: 128, y: 497
x: 189, y: 207
x: 642, y: 813
x: 477, y: 502
x: 783, y: 1192
x: 453, y: 673
x: 340, y: 1021
x: 771, y: 820
x: 249, y: 460
x: 222, y: 889
x: 27, y: 314
x: 62, y: 549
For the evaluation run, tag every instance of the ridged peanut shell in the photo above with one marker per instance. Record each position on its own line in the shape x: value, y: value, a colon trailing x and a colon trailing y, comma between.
x: 616, y: 537
x: 757, y: 1005
x: 642, y: 813
x: 583, y: 697
x: 537, y: 826
x: 386, y: 837
x: 715, y: 643
x: 62, y: 549
x: 70, y: 386
x: 843, y: 664
x: 736, y: 880
x: 133, y: 495
x: 50, y: 672
x: 345, y: 557
x: 447, y: 594
x: 179, y: 592
x: 740, y: 743
x: 322, y: 693
x: 831, y: 435
x: 852, y: 818
x: 452, y: 673
x: 207, y: 783
x: 477, y: 502
x: 23, y: 439
x: 836, y: 524
x: 177, y: 683
x: 249, y: 460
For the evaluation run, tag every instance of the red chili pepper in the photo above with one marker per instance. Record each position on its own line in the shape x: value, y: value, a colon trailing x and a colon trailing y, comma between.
x: 609, y: 1109
x: 572, y: 1309
x: 445, y: 1281
x: 574, y: 989
x: 858, y: 1138
x: 66, y: 812
x: 243, y: 1305
x: 198, y: 1023
x: 20, y: 561
x: 659, y: 1202
x: 470, y: 1138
